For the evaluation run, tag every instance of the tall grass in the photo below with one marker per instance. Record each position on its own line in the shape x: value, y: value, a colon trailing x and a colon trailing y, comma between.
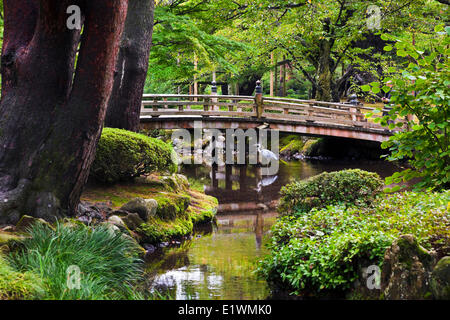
x: 108, y: 261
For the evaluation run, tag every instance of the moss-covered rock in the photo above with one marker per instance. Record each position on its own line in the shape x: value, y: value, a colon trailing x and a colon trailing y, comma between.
x: 27, y: 221
x: 175, y: 183
x: 145, y: 208
x: 133, y: 221
x: 440, y: 279
x: 406, y: 270
x: 5, y: 237
x: 172, y: 206
x: 116, y: 220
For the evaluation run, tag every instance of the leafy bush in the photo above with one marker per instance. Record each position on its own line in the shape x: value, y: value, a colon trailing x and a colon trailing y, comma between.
x: 18, y: 286
x: 324, y: 249
x: 347, y: 186
x: 426, y: 144
x: 107, y: 260
x: 124, y: 155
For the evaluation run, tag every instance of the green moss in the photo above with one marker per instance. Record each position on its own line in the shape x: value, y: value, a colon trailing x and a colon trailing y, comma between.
x: 171, y: 206
x: 295, y: 146
x: 307, y: 147
x: 201, y: 209
x: 157, y: 230
x: 409, y: 249
x: 440, y: 279
x: 18, y: 286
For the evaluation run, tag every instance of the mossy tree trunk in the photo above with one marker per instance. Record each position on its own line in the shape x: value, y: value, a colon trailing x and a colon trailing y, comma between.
x: 51, y: 113
x: 124, y: 105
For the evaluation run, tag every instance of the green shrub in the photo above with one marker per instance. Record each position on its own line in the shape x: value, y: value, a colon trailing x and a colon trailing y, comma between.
x: 18, y: 286
x: 347, y: 186
x: 324, y: 249
x: 107, y: 260
x: 123, y: 155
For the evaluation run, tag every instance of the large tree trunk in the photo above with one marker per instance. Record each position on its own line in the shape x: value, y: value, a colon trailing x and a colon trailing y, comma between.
x: 324, y: 90
x: 51, y: 118
x: 124, y: 107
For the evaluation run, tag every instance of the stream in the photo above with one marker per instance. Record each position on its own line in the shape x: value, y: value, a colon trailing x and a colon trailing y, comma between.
x: 218, y: 262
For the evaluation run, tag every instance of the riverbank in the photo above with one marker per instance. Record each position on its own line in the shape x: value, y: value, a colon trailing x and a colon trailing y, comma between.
x: 330, y: 245
x: 115, y: 227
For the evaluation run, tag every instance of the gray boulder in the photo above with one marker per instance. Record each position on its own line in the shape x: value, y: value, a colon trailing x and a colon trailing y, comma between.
x: 406, y: 272
x: 117, y: 221
x: 133, y: 221
x: 145, y: 208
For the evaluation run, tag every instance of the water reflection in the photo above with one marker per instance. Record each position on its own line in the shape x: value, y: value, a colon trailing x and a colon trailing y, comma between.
x: 216, y: 266
x: 219, y: 263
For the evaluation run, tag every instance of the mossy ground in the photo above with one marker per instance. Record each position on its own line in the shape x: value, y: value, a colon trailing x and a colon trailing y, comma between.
x: 15, y: 285
x: 178, y: 212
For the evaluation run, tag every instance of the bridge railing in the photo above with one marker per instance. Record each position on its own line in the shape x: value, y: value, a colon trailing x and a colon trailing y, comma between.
x: 292, y: 110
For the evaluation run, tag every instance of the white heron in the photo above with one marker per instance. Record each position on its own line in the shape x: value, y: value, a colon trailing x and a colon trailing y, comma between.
x: 265, y: 182
x: 266, y: 154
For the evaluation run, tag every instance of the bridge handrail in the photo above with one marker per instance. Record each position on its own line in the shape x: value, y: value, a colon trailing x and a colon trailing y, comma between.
x: 261, y: 107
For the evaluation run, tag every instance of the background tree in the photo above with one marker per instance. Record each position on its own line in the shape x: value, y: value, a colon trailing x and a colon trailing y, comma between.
x: 52, y: 109
x: 124, y: 107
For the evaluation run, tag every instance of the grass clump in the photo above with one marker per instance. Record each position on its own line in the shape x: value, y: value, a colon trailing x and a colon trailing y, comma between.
x: 108, y: 261
x: 342, y: 187
x: 324, y: 248
x: 123, y: 155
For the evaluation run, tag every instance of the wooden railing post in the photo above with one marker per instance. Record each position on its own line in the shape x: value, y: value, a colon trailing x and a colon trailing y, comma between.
x: 214, y: 93
x: 259, y: 100
x: 155, y: 105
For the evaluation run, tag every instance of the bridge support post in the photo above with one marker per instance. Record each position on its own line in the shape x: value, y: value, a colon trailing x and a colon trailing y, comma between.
x: 259, y: 100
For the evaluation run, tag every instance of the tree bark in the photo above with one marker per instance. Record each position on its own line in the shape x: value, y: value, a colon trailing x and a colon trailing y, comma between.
x: 51, y: 115
x: 324, y: 90
x: 124, y: 107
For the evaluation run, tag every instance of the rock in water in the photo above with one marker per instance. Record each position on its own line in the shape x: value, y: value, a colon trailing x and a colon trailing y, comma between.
x: 440, y: 279
x: 406, y: 270
x: 143, y: 207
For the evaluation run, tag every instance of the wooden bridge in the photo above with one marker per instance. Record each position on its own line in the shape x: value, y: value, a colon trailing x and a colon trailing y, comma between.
x: 306, y: 117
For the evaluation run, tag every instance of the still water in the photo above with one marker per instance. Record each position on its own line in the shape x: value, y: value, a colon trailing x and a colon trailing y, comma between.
x: 219, y: 262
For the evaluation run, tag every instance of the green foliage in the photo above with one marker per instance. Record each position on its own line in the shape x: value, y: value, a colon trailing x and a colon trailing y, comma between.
x: 421, y: 95
x: 324, y: 249
x: 124, y: 155
x: 18, y: 286
x: 185, y: 30
x: 107, y: 260
x: 348, y: 187
x: 291, y: 144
